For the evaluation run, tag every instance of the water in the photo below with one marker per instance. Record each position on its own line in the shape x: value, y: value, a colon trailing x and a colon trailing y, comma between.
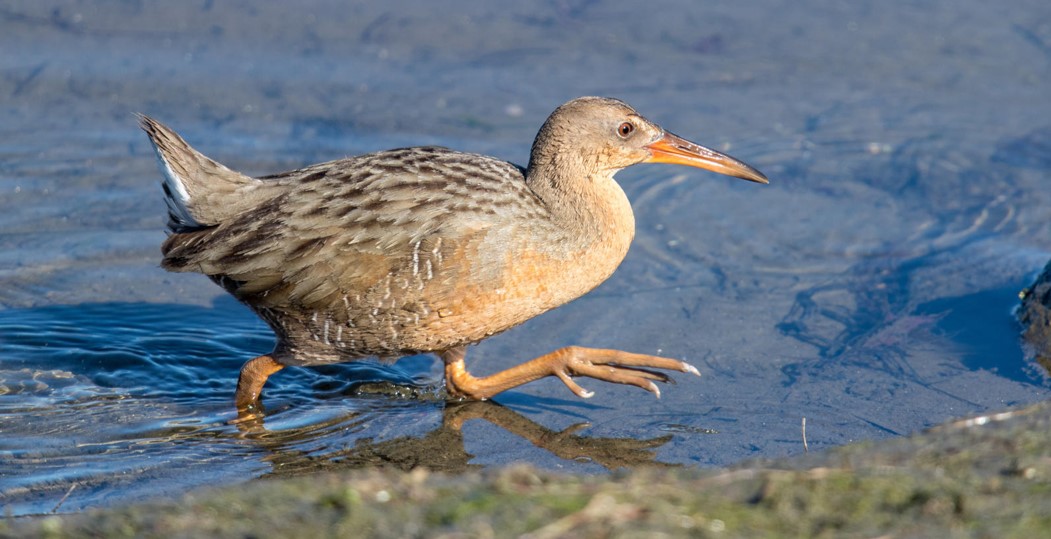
x: 869, y: 288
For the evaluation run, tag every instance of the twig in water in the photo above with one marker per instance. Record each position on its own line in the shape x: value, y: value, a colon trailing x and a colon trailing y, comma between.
x: 63, y: 500
x: 805, y: 448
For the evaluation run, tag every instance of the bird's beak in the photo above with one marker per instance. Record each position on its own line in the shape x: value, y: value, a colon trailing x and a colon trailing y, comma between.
x: 674, y: 149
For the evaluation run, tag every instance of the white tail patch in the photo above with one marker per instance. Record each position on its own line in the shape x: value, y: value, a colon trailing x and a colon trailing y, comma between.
x: 175, y: 195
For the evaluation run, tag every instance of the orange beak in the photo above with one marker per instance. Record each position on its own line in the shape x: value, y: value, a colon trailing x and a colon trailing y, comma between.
x: 674, y: 149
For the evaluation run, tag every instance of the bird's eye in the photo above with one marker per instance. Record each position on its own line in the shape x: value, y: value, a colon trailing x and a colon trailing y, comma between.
x: 626, y: 129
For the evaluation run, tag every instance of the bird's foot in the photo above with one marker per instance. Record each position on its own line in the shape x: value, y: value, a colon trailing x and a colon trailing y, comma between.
x: 565, y: 363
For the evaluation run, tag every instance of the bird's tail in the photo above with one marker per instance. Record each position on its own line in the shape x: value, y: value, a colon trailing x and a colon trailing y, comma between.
x: 199, y: 192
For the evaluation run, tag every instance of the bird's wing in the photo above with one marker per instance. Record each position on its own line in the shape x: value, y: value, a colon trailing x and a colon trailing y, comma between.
x: 347, y: 226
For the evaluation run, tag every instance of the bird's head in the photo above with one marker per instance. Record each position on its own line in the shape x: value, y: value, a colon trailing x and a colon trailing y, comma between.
x: 605, y: 135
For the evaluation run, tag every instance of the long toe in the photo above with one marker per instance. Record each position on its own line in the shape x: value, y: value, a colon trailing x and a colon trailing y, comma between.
x: 615, y: 366
x: 622, y: 375
x: 603, y: 356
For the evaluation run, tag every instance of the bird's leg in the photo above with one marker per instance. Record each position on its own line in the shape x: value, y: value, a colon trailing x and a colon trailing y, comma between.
x: 600, y: 364
x: 253, y: 375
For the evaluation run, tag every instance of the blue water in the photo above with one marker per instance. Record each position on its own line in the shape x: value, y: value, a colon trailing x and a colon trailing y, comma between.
x: 868, y: 288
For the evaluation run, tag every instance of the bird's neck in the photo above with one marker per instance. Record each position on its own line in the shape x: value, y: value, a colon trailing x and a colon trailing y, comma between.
x: 592, y: 212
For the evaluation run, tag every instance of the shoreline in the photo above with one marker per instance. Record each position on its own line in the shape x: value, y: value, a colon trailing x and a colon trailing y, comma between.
x: 988, y: 475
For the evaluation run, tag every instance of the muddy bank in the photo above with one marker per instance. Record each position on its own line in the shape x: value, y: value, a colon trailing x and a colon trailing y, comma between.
x: 988, y: 476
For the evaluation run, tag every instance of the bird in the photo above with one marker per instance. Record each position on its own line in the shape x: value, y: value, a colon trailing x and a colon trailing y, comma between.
x: 425, y: 249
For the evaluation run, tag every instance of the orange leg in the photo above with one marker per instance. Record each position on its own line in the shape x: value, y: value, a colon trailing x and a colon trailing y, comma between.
x: 600, y: 364
x: 253, y: 375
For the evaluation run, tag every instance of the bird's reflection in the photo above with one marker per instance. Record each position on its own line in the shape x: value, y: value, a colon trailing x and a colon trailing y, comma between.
x: 443, y: 448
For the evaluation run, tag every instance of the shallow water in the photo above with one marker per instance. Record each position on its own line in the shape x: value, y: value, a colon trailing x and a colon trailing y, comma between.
x: 869, y: 288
